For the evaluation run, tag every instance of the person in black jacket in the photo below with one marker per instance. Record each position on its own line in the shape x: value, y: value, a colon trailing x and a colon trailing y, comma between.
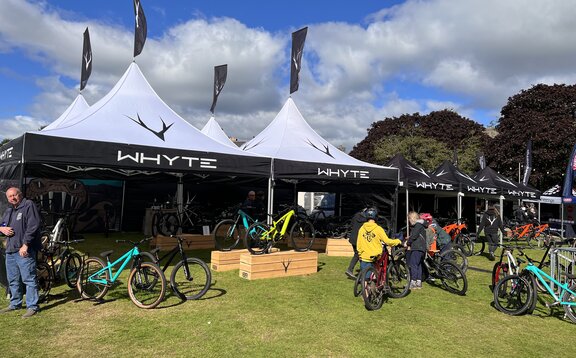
x: 417, y: 248
x: 357, y: 221
x: 491, y: 223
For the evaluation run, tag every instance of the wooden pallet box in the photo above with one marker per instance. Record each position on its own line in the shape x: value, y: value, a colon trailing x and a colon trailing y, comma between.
x: 226, y: 260
x: 339, y: 247
x: 319, y: 244
x: 191, y: 242
x: 278, y: 264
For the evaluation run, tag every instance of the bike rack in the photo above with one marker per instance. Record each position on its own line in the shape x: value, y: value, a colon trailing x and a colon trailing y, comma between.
x: 562, y: 261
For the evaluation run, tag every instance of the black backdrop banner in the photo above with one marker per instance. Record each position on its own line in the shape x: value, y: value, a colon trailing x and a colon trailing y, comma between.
x: 298, y: 39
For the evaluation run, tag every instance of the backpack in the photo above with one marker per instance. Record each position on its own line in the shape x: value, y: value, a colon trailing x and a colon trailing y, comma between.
x: 442, y: 238
x: 431, y: 236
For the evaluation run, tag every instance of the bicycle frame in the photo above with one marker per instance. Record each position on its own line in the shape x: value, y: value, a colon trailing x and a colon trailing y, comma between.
x: 273, y: 233
x: 124, y: 260
x: 544, y: 278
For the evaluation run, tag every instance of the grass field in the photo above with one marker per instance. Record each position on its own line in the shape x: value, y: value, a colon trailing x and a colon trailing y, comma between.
x: 315, y: 315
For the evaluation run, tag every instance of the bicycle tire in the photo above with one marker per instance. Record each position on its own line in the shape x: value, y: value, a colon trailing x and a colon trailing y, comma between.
x: 513, y: 295
x: 226, y: 235
x: 456, y: 256
x: 373, y: 296
x: 570, y: 310
x: 155, y: 223
x: 546, y: 268
x: 358, y: 282
x: 91, y: 290
x: 302, y: 235
x: 466, y: 244
x: 44, y: 280
x: 195, y: 285
x: 398, y: 279
x: 145, y: 256
x: 479, y: 246
x: 168, y: 224
x: 257, y: 239
x: 146, y: 285
x: 452, y: 278
x: 72, y: 267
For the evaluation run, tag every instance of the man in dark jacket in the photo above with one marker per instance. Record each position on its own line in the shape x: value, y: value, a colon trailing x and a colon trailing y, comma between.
x: 491, y: 223
x: 21, y: 226
x: 357, y: 221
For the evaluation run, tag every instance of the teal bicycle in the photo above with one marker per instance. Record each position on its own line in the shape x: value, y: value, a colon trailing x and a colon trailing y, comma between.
x: 516, y: 294
x: 146, y: 281
x: 228, y: 232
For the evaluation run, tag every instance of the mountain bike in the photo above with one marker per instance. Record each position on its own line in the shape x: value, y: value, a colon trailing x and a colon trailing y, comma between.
x: 55, y: 263
x: 505, y: 266
x: 190, y: 278
x: 146, y: 281
x: 261, y: 237
x: 514, y: 294
x: 180, y: 221
x: 449, y: 274
x: 388, y: 276
x: 227, y: 232
x: 458, y: 230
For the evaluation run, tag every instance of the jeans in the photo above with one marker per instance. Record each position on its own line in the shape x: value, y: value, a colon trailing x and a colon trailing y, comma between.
x: 364, y: 264
x: 22, y: 269
x: 415, y: 259
x: 493, y: 241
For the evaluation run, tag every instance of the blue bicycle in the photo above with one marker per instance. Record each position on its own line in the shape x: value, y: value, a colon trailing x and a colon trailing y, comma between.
x: 228, y: 232
x: 516, y: 294
x: 146, y: 281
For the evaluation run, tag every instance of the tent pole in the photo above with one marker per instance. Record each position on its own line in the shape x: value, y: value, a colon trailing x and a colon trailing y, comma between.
x: 407, y: 211
x: 270, y: 193
x: 501, y: 215
x: 122, y: 203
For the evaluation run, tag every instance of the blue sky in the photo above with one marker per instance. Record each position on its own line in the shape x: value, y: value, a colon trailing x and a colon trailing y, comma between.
x: 363, y: 60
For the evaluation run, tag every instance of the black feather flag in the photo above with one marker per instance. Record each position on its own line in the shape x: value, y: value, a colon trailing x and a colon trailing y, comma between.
x: 220, y: 73
x: 455, y: 158
x: 482, y: 160
x: 86, y: 60
x: 298, y: 39
x: 140, y: 28
x: 528, y: 165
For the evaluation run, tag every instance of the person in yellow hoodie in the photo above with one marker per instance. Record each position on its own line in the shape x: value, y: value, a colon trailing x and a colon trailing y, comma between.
x: 370, y: 239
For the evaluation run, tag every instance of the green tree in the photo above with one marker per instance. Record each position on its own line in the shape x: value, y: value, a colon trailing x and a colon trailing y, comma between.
x: 545, y: 114
x: 4, y: 141
x: 426, y: 140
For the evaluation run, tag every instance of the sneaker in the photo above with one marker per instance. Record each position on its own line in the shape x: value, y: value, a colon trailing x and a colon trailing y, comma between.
x: 350, y: 275
x: 412, y: 285
x: 8, y: 309
x: 418, y: 284
x: 491, y: 256
x: 29, y: 313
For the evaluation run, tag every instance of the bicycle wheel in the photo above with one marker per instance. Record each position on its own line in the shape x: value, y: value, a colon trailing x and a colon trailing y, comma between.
x: 373, y: 295
x: 257, y: 239
x: 512, y: 295
x: 456, y: 256
x: 145, y: 256
x: 398, y: 279
x: 155, y: 224
x: 479, y: 246
x: 302, y: 235
x: 358, y: 282
x: 453, y: 279
x: 88, y: 289
x: 226, y: 235
x: 499, y: 271
x: 466, y: 244
x: 146, y: 285
x: 168, y: 224
x: 72, y: 267
x: 44, y: 280
x: 570, y: 299
x: 190, y: 279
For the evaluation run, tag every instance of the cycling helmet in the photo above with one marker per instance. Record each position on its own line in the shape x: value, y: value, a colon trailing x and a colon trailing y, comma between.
x: 426, y: 217
x: 371, y: 213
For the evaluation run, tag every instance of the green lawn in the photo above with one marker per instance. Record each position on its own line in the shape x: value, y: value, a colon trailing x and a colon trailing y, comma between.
x: 315, y: 315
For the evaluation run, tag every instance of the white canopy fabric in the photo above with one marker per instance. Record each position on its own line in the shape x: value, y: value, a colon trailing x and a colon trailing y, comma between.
x: 213, y: 130
x: 78, y: 106
x: 299, y: 152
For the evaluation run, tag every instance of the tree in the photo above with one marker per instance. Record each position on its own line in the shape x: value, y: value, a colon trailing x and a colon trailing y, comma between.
x: 4, y: 141
x: 425, y: 140
x: 545, y: 114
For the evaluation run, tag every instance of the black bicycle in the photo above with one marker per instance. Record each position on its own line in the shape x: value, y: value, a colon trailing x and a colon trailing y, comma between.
x: 191, y: 277
x: 55, y: 262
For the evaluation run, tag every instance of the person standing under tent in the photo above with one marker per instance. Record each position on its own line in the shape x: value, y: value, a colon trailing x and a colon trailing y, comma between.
x: 357, y: 221
x: 416, y: 248
x: 21, y: 226
x: 491, y: 223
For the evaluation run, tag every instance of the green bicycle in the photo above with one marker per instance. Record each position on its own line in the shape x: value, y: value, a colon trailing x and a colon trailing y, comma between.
x: 261, y: 237
x: 146, y: 282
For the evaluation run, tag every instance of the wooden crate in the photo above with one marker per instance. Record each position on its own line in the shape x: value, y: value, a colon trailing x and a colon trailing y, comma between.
x: 226, y: 260
x: 318, y: 245
x: 278, y: 264
x: 339, y: 247
x: 191, y: 242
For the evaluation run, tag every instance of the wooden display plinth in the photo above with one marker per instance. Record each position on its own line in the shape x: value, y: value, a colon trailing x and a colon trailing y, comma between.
x: 278, y: 264
x: 226, y: 260
x: 318, y: 245
x: 339, y: 247
x: 190, y: 242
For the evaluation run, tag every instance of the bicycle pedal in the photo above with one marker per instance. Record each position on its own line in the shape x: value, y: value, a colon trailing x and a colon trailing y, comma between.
x: 550, y: 305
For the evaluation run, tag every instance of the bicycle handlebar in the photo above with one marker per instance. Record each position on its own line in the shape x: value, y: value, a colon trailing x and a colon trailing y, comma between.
x: 69, y: 242
x: 134, y: 243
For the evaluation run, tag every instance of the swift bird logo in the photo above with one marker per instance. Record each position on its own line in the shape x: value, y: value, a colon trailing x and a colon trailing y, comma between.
x: 88, y: 59
x: 483, y: 179
x: 159, y: 134
x: 326, y: 150
x: 286, y: 264
x: 297, y: 55
x: 253, y: 146
x: 408, y: 166
x: 137, y: 5
x: 442, y: 172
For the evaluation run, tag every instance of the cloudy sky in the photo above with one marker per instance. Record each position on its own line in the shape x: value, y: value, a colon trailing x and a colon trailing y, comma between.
x: 363, y: 60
